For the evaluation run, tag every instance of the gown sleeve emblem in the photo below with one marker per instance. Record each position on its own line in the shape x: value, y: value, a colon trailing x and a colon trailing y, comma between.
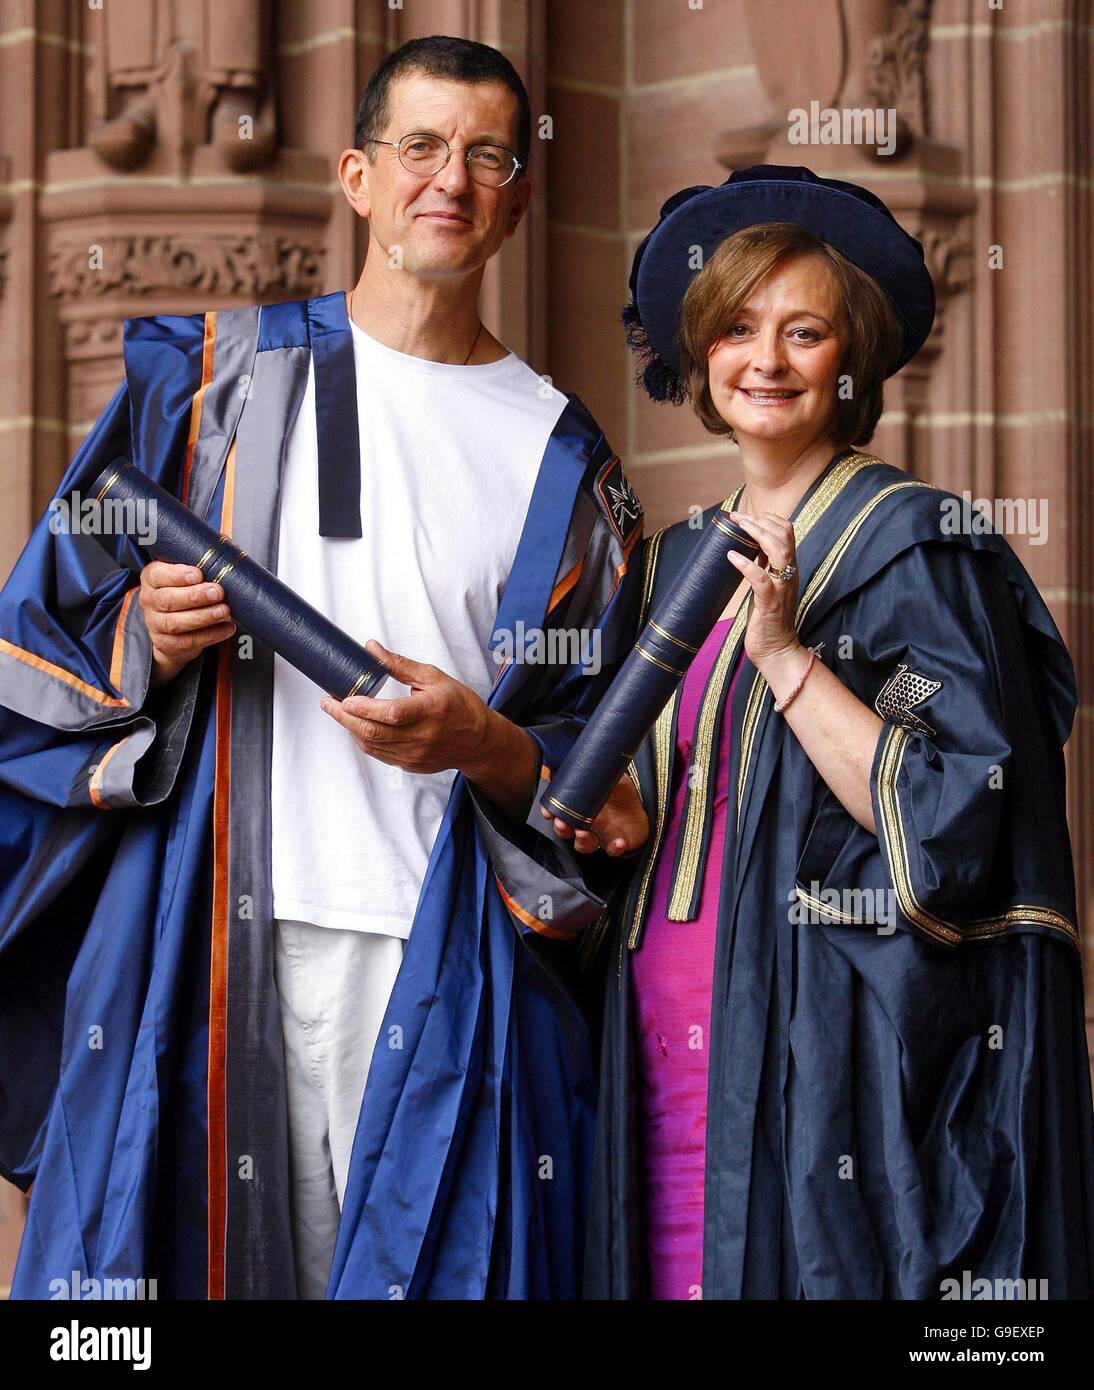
x: 901, y: 692
x: 618, y: 499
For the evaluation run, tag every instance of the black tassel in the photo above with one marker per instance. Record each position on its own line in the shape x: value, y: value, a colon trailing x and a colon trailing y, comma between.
x: 633, y: 327
x: 652, y: 373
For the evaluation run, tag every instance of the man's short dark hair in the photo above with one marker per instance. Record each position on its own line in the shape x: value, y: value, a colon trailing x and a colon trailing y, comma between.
x: 461, y: 60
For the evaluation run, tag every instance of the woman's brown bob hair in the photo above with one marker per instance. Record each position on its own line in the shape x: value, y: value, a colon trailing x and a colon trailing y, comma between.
x: 723, y: 286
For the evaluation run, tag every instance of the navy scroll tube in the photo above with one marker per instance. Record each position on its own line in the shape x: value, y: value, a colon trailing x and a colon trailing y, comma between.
x: 259, y: 601
x: 675, y: 631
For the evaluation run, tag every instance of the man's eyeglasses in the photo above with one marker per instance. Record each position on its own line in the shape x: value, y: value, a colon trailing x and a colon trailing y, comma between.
x: 491, y: 165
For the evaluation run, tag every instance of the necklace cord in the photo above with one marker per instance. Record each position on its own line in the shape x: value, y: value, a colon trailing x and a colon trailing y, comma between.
x: 470, y: 350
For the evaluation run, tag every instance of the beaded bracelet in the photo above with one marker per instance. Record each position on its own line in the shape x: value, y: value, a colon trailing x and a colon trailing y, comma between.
x: 781, y: 705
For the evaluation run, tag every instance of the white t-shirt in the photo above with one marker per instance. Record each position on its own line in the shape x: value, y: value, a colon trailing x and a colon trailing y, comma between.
x: 449, y: 458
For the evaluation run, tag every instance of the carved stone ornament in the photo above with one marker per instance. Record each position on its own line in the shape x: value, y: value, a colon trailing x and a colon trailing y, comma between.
x: 895, y: 70
x: 219, y: 265
x: 175, y: 80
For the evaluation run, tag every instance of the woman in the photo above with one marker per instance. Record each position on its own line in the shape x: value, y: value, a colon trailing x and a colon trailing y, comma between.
x: 843, y: 1049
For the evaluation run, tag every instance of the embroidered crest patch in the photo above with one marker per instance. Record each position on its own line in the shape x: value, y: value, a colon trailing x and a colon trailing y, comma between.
x: 903, y: 690
x: 622, y: 507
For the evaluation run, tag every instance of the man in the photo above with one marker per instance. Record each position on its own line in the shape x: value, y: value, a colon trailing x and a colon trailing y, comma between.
x: 208, y: 885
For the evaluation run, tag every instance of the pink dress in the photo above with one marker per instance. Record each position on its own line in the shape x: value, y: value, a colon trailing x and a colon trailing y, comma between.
x: 672, y: 975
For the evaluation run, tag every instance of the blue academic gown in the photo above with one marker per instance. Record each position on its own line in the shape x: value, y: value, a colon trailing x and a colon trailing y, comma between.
x: 142, y: 1091
x: 899, y: 1096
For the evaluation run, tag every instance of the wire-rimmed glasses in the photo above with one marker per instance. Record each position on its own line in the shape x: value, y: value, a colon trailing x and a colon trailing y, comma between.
x: 491, y: 165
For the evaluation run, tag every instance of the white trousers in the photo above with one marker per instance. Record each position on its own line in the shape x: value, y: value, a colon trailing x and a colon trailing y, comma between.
x: 334, y: 987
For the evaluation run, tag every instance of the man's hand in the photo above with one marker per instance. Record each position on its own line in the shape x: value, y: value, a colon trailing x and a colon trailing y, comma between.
x: 183, y: 616
x: 442, y: 724
x: 621, y: 827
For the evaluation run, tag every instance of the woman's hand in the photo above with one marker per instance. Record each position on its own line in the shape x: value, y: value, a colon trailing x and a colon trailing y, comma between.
x: 838, y: 732
x: 771, y: 633
x: 621, y: 826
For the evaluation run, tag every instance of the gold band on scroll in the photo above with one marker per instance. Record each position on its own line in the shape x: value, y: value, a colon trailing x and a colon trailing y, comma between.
x: 656, y: 660
x: 109, y: 484
x: 569, y: 811
x: 678, y: 640
x: 735, y: 535
x: 356, y: 685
